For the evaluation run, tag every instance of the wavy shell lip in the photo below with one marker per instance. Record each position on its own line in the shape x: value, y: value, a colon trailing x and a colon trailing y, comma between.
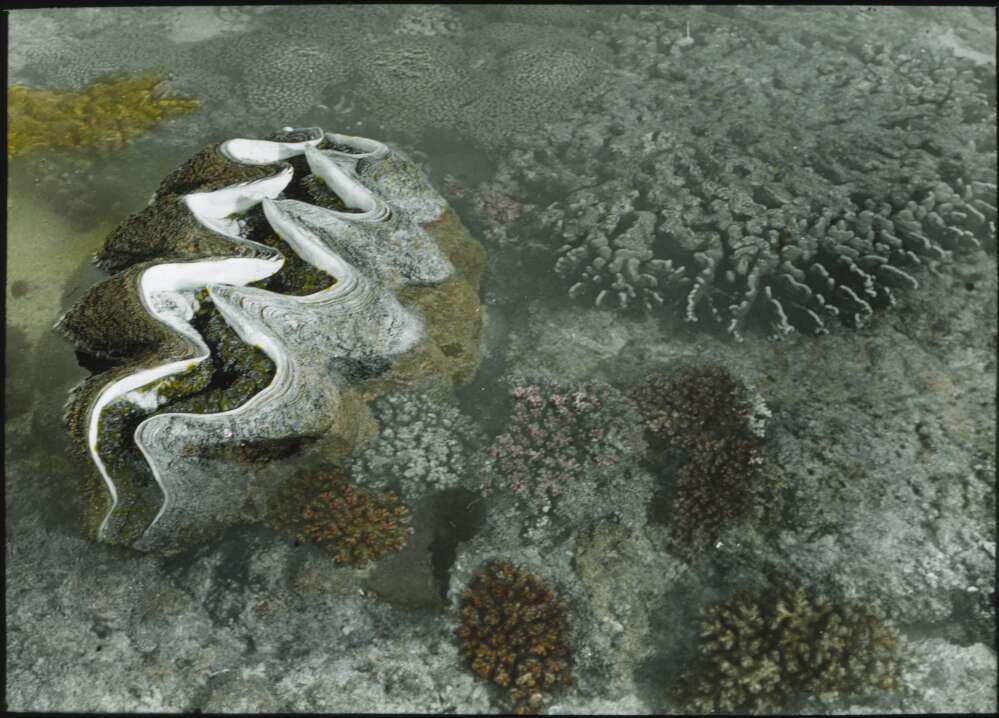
x: 265, y: 152
x: 354, y: 195
x: 365, y: 147
x: 171, y: 279
x: 314, y: 340
x: 306, y: 244
x: 250, y: 333
x: 394, y: 250
x: 215, y: 209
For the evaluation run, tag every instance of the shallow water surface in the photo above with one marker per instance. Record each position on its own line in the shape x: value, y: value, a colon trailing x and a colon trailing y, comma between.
x: 723, y: 395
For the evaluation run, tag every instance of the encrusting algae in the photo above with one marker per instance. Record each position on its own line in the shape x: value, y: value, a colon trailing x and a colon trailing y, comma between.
x: 106, y: 115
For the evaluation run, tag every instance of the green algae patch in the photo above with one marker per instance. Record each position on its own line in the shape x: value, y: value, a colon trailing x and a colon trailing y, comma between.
x: 296, y: 277
x: 232, y: 374
x: 139, y: 497
x: 450, y: 355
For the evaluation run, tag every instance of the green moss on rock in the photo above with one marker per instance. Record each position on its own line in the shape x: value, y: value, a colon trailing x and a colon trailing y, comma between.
x: 238, y: 371
x: 296, y: 277
x: 138, y: 494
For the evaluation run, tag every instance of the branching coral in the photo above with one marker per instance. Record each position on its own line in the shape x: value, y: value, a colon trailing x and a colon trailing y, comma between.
x: 760, y: 650
x: 515, y: 634
x: 563, y: 441
x: 424, y: 445
x: 354, y: 525
x: 105, y: 115
x: 824, y: 183
x: 710, y: 420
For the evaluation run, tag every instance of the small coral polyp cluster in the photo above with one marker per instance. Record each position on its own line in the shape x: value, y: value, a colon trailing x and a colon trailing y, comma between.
x: 515, y: 634
x: 107, y: 114
x: 705, y: 415
x: 761, y: 650
x: 424, y: 445
x: 563, y: 434
x: 354, y: 525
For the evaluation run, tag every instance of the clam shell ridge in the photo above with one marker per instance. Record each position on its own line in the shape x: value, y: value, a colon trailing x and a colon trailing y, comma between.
x: 141, y: 316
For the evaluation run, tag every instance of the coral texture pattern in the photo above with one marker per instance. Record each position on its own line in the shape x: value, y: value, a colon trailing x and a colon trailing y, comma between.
x: 514, y: 633
x: 565, y: 438
x: 355, y: 526
x: 759, y: 183
x: 761, y: 651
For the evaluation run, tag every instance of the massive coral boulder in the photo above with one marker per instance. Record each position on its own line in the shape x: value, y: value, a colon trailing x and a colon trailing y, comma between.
x: 534, y: 75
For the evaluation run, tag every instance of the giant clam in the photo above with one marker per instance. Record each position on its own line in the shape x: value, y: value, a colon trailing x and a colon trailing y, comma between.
x: 265, y: 282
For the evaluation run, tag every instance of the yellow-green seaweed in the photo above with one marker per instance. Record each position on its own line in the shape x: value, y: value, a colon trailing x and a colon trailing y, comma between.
x: 106, y: 115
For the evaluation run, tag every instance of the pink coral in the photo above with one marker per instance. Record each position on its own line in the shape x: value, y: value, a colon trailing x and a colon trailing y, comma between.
x: 561, y: 434
x: 495, y: 201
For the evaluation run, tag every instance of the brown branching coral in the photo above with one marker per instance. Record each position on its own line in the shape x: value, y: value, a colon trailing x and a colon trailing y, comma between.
x: 683, y: 406
x: 514, y: 633
x: 355, y: 526
x: 705, y: 415
x: 761, y: 650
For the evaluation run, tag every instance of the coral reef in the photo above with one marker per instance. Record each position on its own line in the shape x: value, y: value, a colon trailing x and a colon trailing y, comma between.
x: 514, y: 633
x: 285, y: 76
x: 565, y: 442
x: 423, y: 445
x: 71, y: 63
x: 557, y: 15
x: 105, y: 115
x: 428, y: 20
x: 494, y: 202
x: 535, y: 75
x: 354, y: 525
x: 807, y: 198
x: 761, y: 650
x: 709, y: 419
x: 882, y: 443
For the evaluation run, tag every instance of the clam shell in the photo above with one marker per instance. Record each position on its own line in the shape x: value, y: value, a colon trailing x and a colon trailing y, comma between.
x: 193, y: 238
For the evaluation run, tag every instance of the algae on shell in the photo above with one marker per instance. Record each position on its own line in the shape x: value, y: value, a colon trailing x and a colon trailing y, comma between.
x: 193, y: 304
